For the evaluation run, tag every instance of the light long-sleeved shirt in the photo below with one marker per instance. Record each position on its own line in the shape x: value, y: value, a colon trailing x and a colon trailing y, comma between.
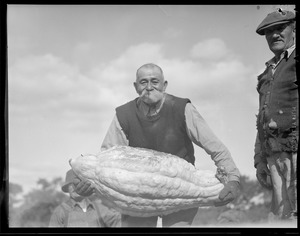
x: 199, y: 133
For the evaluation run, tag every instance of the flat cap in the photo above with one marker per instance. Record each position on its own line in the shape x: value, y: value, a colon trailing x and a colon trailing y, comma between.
x: 70, y: 176
x: 275, y: 18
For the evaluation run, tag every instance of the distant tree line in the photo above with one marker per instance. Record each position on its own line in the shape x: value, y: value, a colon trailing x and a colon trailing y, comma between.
x: 34, y: 209
x: 37, y: 205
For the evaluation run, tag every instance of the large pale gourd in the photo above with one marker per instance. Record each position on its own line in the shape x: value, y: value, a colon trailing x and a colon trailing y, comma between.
x: 143, y: 182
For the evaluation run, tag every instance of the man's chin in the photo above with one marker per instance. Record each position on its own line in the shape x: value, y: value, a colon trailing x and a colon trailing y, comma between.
x: 150, y: 102
x: 277, y: 48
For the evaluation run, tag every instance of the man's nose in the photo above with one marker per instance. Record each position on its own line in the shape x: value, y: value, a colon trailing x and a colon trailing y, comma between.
x: 149, y: 86
x: 276, y: 33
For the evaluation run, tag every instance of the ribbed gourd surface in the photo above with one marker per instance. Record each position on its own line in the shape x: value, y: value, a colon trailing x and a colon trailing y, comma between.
x: 143, y: 182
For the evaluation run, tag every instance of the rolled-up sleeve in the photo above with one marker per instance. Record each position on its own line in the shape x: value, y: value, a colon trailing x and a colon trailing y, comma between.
x: 114, y: 136
x: 201, y: 134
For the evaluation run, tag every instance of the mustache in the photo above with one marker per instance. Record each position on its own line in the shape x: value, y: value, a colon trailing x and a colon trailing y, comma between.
x: 152, y: 95
x: 145, y: 91
x: 152, y: 91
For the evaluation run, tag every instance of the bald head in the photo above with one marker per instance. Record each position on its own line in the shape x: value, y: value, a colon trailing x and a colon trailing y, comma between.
x: 148, y: 67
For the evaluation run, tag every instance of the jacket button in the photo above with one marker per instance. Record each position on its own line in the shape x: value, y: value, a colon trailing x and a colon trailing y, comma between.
x: 272, y: 124
x: 280, y: 112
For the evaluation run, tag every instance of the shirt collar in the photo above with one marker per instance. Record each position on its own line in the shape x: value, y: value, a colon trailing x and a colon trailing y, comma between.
x: 286, y: 54
x: 88, y: 203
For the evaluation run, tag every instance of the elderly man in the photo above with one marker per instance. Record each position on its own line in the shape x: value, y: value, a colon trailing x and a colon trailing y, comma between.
x: 163, y: 122
x: 276, y: 144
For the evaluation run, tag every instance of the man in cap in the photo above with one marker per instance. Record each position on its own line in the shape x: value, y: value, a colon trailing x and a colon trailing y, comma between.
x: 276, y: 143
x: 79, y: 211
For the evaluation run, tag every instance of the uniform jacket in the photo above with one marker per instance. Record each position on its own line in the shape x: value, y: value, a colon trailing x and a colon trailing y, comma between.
x: 277, y: 120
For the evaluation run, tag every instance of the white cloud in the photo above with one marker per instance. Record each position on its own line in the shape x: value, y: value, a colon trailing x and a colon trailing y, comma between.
x: 49, y: 87
x: 48, y: 84
x: 135, y: 56
x: 212, y: 49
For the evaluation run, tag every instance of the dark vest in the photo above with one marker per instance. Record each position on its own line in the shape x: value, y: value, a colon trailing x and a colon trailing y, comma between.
x: 165, y: 132
x: 278, y: 105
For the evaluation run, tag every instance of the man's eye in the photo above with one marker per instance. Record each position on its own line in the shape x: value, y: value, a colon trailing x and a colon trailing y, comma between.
x: 283, y: 27
x: 280, y: 28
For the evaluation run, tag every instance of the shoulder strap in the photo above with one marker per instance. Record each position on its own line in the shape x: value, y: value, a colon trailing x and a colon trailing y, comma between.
x: 100, y: 220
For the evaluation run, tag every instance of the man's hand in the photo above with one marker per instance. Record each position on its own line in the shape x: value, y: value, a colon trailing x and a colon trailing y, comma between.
x: 229, y: 193
x: 83, y: 187
x: 262, y: 175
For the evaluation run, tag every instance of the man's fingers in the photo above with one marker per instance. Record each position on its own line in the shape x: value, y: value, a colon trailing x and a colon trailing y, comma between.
x: 83, y: 186
x: 221, y: 203
x: 229, y: 197
x: 218, y: 204
x: 222, y: 194
x: 76, y: 181
x: 267, y: 171
x: 262, y: 180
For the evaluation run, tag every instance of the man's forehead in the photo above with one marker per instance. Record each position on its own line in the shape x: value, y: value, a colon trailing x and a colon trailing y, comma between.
x: 150, y: 68
x: 153, y: 71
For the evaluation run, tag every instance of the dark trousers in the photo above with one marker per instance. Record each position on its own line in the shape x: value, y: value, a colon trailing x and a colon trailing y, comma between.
x: 183, y: 218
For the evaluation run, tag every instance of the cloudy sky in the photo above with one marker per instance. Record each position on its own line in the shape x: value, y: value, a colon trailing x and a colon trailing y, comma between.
x: 70, y: 66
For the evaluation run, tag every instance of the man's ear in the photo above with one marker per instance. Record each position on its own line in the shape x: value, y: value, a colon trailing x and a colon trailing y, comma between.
x: 165, y: 85
x: 135, y: 86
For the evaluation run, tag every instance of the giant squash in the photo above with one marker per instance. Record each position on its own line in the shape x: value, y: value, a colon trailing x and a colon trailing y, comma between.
x: 143, y: 182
